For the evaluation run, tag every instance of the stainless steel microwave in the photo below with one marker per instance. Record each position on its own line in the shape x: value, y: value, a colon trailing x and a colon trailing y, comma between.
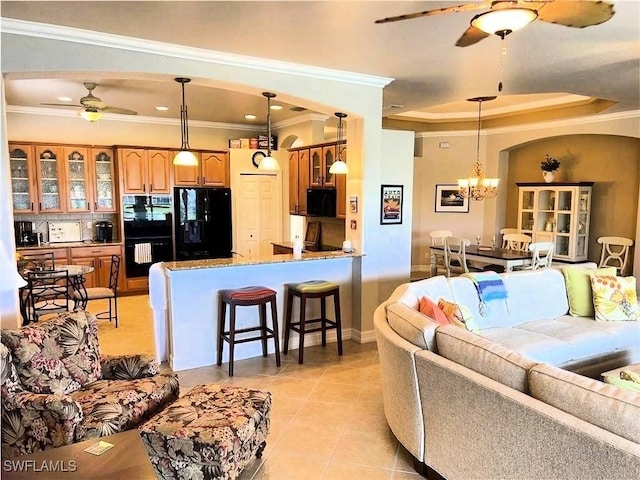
x: 321, y: 202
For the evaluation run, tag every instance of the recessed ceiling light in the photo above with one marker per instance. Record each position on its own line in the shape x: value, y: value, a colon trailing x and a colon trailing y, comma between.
x: 162, y: 108
x: 276, y: 107
x: 64, y: 99
x: 250, y: 116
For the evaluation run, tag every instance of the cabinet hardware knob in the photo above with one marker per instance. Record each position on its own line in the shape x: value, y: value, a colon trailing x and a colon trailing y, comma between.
x: 39, y: 205
x: 31, y: 206
x: 95, y: 205
x: 88, y: 206
x: 151, y: 188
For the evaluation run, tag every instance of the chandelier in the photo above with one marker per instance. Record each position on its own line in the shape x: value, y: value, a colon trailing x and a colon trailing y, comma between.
x: 477, y: 186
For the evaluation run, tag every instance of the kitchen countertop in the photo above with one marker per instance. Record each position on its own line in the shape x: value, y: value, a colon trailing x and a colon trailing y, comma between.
x: 49, y: 246
x: 243, y: 261
x: 306, y: 248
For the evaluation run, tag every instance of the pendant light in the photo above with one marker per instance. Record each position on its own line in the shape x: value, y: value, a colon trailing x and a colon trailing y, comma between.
x: 184, y: 156
x: 477, y: 186
x: 339, y: 167
x: 268, y: 162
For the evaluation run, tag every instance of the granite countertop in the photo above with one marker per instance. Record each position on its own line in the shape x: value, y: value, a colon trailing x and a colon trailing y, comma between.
x: 86, y: 243
x: 244, y: 261
x: 316, y: 248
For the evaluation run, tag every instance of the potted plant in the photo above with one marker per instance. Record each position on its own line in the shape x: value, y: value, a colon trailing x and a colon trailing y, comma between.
x: 548, y: 166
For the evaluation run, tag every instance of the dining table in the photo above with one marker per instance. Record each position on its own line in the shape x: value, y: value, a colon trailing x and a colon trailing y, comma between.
x: 487, y: 255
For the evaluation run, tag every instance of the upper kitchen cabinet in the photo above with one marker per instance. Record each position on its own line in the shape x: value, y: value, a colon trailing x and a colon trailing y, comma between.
x: 322, y: 157
x: 23, y: 178
x: 103, y: 162
x: 298, y: 181
x: 341, y: 186
x: 50, y: 178
x: 212, y: 171
x: 144, y: 171
x: 78, y: 174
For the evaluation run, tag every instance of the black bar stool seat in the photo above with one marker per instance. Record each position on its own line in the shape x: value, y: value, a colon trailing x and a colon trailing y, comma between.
x: 247, y: 296
x: 307, y: 290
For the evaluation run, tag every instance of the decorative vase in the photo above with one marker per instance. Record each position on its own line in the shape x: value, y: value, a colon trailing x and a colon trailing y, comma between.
x: 548, y: 176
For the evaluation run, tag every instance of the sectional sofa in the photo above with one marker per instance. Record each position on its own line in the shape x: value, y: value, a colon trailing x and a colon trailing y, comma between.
x: 519, y: 396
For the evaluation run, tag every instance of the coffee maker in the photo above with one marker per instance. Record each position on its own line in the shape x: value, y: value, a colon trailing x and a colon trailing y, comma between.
x: 104, y: 231
x: 25, y: 236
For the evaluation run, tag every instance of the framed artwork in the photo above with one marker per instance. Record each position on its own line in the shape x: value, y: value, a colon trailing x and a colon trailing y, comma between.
x: 449, y: 200
x: 312, y: 235
x: 391, y: 204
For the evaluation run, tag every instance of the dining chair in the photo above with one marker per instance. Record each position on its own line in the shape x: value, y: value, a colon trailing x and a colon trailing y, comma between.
x: 37, y: 261
x: 507, y: 231
x: 110, y: 293
x: 615, y: 252
x: 48, y: 293
x: 542, y: 255
x: 516, y: 241
x: 437, y: 239
x: 455, y: 255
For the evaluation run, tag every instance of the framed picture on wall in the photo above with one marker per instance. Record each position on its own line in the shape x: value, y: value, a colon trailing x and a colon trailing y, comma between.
x: 449, y: 200
x: 391, y: 204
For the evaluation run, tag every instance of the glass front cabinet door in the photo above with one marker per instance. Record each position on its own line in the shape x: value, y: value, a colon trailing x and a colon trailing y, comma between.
x: 23, y: 185
x: 50, y: 171
x: 103, y: 183
x: 77, y: 171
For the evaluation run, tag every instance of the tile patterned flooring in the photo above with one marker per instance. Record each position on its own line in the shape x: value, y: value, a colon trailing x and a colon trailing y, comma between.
x: 327, y: 420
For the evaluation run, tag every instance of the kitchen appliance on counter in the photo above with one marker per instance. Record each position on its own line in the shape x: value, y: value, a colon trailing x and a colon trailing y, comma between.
x: 25, y: 234
x: 104, y: 231
x: 147, y: 232
x: 202, y: 227
x: 65, y: 232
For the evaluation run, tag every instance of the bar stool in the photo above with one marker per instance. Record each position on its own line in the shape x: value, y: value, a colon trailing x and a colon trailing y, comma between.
x: 247, y: 296
x: 312, y: 289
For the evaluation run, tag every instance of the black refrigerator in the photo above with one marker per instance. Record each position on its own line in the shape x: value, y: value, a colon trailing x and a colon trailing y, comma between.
x: 202, y: 219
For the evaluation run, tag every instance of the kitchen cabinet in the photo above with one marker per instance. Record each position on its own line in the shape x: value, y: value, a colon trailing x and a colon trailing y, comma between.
x: 24, y: 190
x: 78, y: 175
x: 321, y: 159
x: 212, y: 171
x: 558, y: 213
x: 341, y: 186
x: 144, y: 171
x: 98, y: 257
x: 50, y: 179
x: 104, y: 194
x: 298, y: 181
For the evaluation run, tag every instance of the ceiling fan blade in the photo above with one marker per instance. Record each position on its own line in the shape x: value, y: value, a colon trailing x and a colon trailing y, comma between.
x: 121, y: 111
x: 92, y: 101
x: 577, y: 14
x: 60, y: 105
x: 471, y: 36
x: 428, y: 13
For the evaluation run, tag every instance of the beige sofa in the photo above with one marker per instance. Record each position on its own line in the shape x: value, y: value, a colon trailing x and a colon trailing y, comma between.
x: 514, y: 399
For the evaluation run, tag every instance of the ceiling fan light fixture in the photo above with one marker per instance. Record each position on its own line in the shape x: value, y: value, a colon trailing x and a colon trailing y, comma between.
x: 184, y: 156
x: 504, y: 21
x: 269, y: 163
x: 91, y: 115
x: 339, y: 167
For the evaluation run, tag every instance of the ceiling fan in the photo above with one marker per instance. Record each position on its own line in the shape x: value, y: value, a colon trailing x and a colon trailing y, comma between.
x: 92, y: 106
x: 506, y: 16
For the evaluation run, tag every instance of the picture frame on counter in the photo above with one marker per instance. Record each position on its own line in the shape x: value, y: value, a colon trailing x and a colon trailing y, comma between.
x: 391, y: 204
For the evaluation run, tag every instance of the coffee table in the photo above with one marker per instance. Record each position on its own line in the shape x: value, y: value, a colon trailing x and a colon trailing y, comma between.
x: 127, y: 460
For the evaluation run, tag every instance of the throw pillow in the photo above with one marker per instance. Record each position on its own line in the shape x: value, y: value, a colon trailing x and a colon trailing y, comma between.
x: 622, y: 383
x: 579, y: 292
x: 614, y: 298
x: 431, y: 310
x: 59, y: 355
x: 630, y: 375
x: 458, y: 315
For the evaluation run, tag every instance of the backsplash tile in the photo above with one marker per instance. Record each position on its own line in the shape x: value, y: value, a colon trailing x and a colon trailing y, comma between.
x: 41, y: 224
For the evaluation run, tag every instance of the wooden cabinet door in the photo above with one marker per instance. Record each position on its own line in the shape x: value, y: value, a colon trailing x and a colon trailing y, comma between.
x: 78, y: 179
x: 294, y: 192
x: 23, y: 179
x: 103, y: 178
x: 303, y: 181
x: 214, y: 169
x: 341, y: 187
x: 186, y: 175
x: 50, y: 174
x: 328, y: 157
x: 159, y: 171
x: 133, y: 164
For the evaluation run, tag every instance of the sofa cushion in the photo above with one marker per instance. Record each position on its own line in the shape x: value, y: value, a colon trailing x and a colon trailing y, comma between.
x: 411, y: 325
x: 484, y: 356
x: 614, y: 298
x: 494, y: 314
x: 535, y: 294
x: 579, y: 291
x: 534, y: 345
x: 606, y: 406
x: 59, y: 355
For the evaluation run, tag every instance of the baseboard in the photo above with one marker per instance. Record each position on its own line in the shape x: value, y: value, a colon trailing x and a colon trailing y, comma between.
x: 368, y: 336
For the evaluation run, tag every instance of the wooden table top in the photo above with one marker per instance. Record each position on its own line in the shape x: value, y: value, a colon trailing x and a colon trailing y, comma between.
x: 127, y: 460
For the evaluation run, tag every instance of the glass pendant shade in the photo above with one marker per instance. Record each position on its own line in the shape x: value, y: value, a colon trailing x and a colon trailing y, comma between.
x: 91, y: 115
x: 269, y: 163
x: 504, y: 20
x: 185, y: 158
x: 339, y: 167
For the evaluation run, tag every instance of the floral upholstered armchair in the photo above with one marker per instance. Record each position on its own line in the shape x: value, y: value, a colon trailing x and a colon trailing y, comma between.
x: 57, y: 389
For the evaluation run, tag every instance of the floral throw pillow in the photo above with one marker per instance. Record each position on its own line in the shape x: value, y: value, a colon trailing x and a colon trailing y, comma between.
x: 458, y: 315
x: 614, y: 298
x: 59, y: 355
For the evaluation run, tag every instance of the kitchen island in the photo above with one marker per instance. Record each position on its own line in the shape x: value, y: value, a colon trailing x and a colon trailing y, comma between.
x: 184, y: 296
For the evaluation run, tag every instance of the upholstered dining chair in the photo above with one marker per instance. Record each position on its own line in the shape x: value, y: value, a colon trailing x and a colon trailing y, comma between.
x: 615, y: 252
x: 455, y: 255
x: 110, y: 293
x: 507, y: 231
x: 437, y: 239
x: 516, y: 241
x: 542, y: 253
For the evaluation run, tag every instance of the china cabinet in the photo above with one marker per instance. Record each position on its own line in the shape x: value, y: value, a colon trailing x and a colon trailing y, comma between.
x: 298, y: 181
x: 212, y: 171
x: 558, y: 213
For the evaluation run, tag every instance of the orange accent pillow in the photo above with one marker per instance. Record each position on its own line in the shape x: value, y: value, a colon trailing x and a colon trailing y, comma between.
x: 430, y: 309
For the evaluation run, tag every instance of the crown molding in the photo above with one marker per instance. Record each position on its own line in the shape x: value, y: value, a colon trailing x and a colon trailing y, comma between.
x: 566, y: 122
x: 309, y: 117
x: 89, y: 37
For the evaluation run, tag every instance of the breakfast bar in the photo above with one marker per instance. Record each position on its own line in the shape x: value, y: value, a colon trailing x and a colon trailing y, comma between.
x: 188, y: 291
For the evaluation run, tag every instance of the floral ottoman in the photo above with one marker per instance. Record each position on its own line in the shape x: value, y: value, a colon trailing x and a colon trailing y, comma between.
x: 211, y: 432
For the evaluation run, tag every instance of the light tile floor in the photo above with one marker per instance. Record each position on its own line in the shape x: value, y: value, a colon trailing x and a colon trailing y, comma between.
x: 327, y: 420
